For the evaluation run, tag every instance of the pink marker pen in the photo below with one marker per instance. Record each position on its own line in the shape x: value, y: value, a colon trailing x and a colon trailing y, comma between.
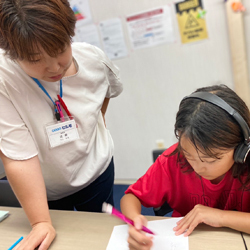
x: 60, y: 110
x: 107, y: 208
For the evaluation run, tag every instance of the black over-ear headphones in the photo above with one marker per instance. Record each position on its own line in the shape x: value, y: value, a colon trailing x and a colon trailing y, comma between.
x: 242, y: 150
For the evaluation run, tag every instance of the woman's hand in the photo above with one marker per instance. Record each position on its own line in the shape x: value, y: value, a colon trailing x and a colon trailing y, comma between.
x: 137, y: 239
x: 199, y: 214
x: 27, y: 182
x: 42, y: 234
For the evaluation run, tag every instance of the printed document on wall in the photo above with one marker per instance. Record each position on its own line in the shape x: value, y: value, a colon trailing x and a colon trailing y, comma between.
x: 88, y: 34
x: 164, y: 237
x: 82, y: 11
x: 191, y: 20
x: 151, y: 28
x: 113, y: 38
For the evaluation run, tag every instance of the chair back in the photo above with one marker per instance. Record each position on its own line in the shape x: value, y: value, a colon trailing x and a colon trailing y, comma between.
x: 7, y: 196
x: 165, y: 208
x: 157, y: 152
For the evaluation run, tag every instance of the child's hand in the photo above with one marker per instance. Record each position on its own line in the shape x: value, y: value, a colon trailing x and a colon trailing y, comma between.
x: 199, y: 214
x: 137, y: 239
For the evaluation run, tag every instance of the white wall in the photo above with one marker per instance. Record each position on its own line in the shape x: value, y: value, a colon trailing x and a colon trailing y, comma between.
x: 155, y: 80
x: 247, y: 29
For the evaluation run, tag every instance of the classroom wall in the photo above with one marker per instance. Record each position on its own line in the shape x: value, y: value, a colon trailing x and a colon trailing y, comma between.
x: 156, y: 79
x: 247, y: 29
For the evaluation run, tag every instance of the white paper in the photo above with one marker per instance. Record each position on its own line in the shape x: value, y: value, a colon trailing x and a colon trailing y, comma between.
x: 165, y: 237
x: 88, y: 34
x: 151, y: 28
x: 113, y: 38
x: 82, y: 11
x: 3, y: 215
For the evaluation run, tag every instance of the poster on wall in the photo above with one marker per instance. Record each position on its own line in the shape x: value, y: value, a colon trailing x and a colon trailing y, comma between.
x: 82, y: 12
x: 113, y: 38
x: 88, y: 34
x: 150, y: 28
x: 191, y: 20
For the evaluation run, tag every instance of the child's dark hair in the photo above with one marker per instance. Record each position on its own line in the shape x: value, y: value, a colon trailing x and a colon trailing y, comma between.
x: 209, y: 127
x: 27, y: 25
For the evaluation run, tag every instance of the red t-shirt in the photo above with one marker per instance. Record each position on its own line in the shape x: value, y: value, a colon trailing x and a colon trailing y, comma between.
x: 165, y: 181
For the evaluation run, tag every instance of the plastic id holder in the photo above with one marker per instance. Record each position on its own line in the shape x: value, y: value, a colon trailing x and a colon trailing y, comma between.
x: 62, y: 132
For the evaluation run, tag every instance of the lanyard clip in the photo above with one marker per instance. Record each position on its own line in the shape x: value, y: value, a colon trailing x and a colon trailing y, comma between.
x: 57, y: 115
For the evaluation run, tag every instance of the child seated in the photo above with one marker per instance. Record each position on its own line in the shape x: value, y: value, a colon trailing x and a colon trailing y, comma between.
x: 205, y: 176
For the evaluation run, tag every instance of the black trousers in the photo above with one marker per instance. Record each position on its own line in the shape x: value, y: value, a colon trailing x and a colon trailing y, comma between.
x: 90, y: 198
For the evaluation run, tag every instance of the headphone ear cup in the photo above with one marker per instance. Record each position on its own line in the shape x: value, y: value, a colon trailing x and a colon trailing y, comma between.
x: 241, y: 152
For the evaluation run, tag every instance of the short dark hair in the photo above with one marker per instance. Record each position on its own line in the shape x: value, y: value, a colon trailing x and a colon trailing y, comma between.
x: 27, y: 24
x: 209, y: 127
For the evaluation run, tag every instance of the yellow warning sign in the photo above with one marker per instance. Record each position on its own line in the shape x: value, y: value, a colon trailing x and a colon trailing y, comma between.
x: 191, y: 20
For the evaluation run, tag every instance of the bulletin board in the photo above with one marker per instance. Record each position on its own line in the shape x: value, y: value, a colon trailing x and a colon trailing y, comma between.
x: 157, y: 77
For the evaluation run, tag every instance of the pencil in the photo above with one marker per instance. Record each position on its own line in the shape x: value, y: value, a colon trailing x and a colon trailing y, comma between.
x: 15, y: 243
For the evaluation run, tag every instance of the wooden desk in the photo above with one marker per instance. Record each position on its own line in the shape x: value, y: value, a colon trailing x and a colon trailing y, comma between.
x: 91, y: 231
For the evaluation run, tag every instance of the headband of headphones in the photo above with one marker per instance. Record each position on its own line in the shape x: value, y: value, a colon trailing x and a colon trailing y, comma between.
x: 216, y: 100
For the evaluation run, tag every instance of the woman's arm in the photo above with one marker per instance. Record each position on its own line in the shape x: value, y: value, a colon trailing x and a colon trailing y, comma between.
x: 26, y: 180
x: 105, y: 106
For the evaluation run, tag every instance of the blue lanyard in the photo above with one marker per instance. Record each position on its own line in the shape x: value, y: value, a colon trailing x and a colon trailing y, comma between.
x: 45, y: 91
x: 57, y: 115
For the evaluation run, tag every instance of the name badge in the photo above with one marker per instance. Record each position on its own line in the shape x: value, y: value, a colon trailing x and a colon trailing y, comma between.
x: 62, y: 133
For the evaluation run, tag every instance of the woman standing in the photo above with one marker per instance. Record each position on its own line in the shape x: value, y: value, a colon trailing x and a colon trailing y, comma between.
x: 53, y: 97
